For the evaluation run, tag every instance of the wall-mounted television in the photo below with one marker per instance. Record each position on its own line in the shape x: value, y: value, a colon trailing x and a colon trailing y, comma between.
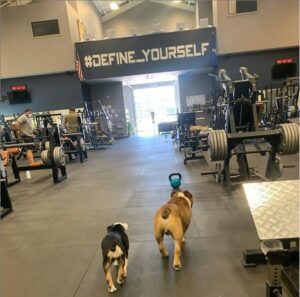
x: 284, y: 68
x: 18, y: 95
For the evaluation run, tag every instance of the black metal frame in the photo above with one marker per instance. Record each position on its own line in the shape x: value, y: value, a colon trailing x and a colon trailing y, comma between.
x: 82, y: 153
x: 57, y: 178
x: 192, y: 143
x: 59, y: 173
x: 196, y: 145
x: 236, y: 143
x: 5, y: 198
x: 285, y: 258
x: 240, y: 130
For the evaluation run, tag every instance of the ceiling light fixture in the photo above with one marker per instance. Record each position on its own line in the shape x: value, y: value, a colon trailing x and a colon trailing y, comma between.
x: 176, y: 1
x: 114, y: 5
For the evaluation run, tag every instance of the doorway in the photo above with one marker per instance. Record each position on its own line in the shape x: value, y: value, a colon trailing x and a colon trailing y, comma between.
x: 154, y: 105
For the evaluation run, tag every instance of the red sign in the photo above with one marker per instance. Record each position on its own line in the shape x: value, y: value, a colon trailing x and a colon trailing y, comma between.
x: 19, y: 88
x: 284, y: 61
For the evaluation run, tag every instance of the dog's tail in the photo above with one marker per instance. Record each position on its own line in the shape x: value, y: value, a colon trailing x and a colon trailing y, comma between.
x: 165, y: 213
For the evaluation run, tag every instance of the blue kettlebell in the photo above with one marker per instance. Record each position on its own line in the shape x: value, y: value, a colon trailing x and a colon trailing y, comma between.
x: 175, y: 180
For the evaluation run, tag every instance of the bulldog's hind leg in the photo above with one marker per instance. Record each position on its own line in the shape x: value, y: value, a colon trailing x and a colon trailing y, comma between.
x: 159, y: 236
x: 121, y: 279
x: 106, y: 267
x: 126, y: 265
x: 178, y: 241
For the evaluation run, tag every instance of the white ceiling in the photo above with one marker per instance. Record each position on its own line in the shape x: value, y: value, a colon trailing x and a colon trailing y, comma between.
x: 104, y: 8
x: 107, y: 13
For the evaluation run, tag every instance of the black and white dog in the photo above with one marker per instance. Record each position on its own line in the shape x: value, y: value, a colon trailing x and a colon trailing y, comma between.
x: 115, y: 246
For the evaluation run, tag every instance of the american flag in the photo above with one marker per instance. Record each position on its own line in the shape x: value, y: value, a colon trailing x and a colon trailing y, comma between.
x: 78, y: 68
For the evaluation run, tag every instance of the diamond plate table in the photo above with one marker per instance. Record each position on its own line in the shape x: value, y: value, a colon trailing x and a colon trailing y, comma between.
x: 275, y: 208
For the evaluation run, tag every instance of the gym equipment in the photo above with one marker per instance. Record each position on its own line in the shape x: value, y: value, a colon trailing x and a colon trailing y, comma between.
x: 184, y: 121
x: 59, y: 156
x: 175, y: 180
x: 191, y: 138
x: 53, y: 159
x: 5, y: 202
x: 241, y: 128
x: 275, y: 210
x: 5, y: 131
x: 280, y: 103
x: 217, y: 110
x: 79, y: 148
x: 99, y: 125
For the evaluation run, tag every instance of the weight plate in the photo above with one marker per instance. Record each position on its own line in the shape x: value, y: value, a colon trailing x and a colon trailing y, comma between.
x: 212, y: 145
x: 216, y: 146
x: 209, y: 142
x: 283, y: 140
x: 59, y: 156
x: 45, y: 156
x: 220, y: 145
x: 289, y: 139
x: 295, y: 136
x: 47, y: 145
x: 293, y: 139
x: 225, y: 144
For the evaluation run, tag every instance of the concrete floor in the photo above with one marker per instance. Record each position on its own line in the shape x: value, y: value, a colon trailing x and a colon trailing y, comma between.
x: 50, y: 244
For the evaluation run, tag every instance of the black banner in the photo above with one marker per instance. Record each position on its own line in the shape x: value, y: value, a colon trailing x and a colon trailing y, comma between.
x: 182, y: 50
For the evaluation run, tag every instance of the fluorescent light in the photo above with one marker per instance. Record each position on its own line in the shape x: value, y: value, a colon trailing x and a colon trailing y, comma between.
x: 176, y: 1
x: 114, y: 5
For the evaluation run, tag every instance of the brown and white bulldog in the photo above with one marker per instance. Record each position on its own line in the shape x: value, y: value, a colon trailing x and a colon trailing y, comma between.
x: 173, y: 219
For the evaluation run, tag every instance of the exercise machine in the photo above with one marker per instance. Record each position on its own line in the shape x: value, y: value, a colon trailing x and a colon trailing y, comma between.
x: 192, y: 138
x: 52, y: 157
x: 73, y: 143
x: 99, y: 127
x: 280, y: 102
x: 241, y: 129
x: 5, y: 201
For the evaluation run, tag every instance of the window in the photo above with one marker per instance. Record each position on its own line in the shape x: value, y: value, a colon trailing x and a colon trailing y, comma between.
x: 242, y: 6
x: 45, y: 28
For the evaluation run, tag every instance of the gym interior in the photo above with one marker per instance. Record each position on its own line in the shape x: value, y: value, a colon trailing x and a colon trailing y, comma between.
x: 126, y: 124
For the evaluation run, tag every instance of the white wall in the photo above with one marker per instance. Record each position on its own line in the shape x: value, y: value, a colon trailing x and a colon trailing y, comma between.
x: 275, y: 25
x: 144, y: 15
x: 24, y: 55
x: 88, y: 14
x: 72, y: 17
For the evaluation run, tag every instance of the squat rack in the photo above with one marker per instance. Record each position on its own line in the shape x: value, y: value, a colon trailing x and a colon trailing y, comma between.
x: 242, y: 128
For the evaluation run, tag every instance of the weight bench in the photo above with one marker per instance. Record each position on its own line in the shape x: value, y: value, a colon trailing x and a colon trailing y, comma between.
x: 80, y: 149
x: 275, y: 210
